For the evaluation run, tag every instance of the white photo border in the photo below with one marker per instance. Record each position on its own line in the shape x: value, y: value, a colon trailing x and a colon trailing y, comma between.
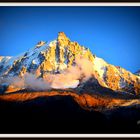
x: 69, y: 135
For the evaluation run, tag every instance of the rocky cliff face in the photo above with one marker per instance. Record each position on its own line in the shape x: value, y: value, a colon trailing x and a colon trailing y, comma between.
x: 58, y: 55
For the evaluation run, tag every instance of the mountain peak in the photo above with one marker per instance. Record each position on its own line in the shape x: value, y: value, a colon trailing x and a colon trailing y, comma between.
x: 62, y: 39
x: 62, y: 35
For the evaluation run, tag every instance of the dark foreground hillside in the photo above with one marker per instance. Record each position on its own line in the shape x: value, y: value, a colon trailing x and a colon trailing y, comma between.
x: 62, y: 114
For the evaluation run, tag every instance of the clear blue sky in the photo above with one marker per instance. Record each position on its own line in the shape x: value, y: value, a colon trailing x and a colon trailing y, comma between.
x: 112, y: 33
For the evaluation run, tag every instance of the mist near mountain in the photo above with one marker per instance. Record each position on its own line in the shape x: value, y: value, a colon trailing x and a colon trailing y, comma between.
x: 69, y: 78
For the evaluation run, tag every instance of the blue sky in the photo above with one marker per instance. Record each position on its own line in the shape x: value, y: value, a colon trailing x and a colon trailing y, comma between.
x: 112, y: 33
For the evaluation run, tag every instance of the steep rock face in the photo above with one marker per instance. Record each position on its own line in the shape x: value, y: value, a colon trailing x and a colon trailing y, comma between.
x: 60, y: 54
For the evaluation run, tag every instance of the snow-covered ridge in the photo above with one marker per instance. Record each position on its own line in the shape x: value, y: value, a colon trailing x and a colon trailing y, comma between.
x: 100, y: 66
x: 26, y: 58
x: 4, y: 58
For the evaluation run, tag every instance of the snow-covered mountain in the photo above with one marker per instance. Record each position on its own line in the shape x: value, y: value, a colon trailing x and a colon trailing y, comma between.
x: 59, y: 57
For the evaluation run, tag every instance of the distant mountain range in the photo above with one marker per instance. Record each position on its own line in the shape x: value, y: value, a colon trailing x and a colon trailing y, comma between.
x: 138, y: 73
